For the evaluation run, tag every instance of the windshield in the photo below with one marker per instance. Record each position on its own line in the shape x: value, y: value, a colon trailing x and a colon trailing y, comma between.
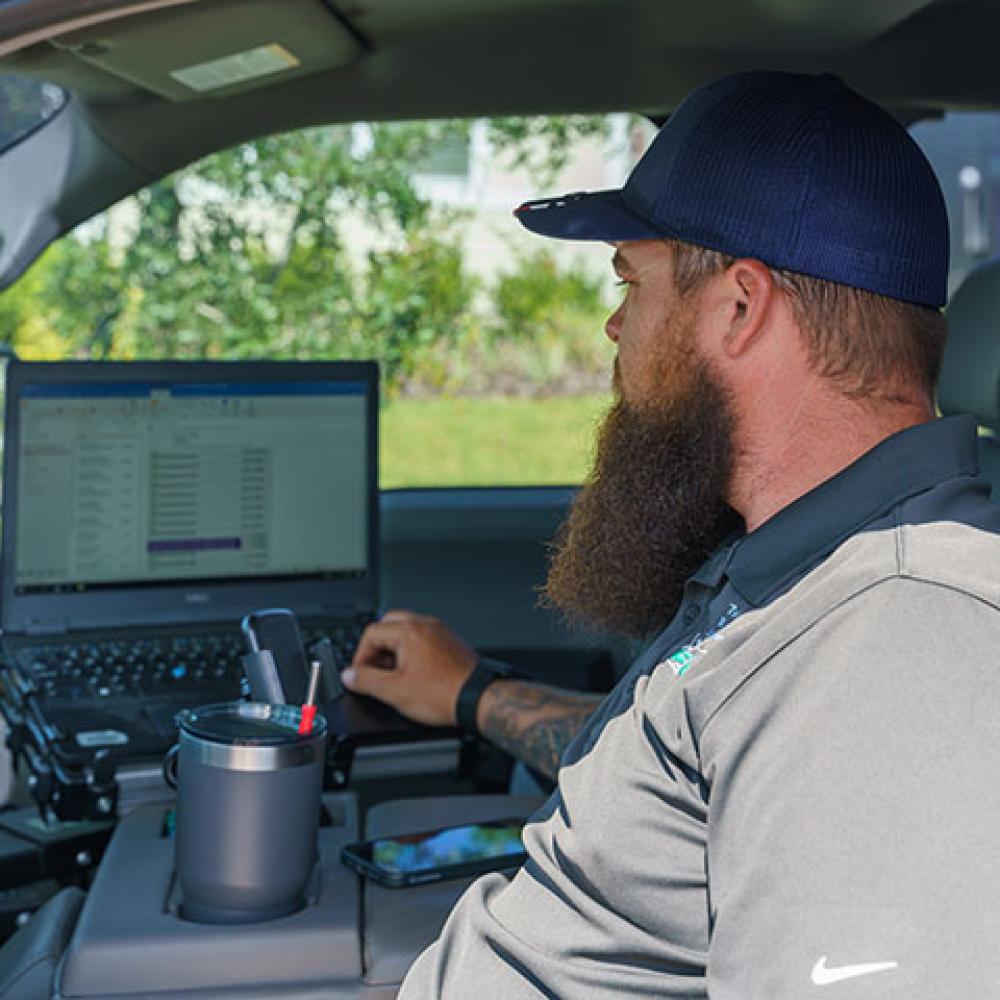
x: 389, y: 241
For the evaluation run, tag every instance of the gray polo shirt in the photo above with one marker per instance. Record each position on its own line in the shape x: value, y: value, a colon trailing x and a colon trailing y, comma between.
x: 795, y: 790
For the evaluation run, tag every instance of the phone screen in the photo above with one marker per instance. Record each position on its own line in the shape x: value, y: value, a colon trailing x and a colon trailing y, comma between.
x: 456, y: 845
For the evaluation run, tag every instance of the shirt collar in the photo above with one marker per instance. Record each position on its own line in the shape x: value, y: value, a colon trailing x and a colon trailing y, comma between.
x: 713, y: 569
x: 810, y: 528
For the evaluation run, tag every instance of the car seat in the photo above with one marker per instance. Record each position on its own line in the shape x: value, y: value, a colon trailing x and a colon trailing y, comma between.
x: 28, y: 960
x: 970, y: 370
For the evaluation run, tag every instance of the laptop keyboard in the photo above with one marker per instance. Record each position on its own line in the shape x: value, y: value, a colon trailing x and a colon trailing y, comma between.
x: 203, y: 667
x: 140, y: 668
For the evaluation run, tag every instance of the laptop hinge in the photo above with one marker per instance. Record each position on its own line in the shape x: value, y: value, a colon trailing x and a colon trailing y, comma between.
x: 347, y: 609
x: 45, y: 626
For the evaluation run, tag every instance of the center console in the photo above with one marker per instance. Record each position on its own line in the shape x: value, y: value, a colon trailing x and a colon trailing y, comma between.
x: 131, y: 941
x: 352, y: 939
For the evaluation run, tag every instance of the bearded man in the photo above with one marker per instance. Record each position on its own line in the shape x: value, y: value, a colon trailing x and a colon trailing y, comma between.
x: 796, y: 779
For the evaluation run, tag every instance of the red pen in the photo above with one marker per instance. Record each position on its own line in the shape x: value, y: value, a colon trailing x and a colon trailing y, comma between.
x: 309, y: 708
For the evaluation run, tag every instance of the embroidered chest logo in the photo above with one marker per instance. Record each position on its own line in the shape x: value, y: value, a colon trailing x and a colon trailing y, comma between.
x: 682, y: 660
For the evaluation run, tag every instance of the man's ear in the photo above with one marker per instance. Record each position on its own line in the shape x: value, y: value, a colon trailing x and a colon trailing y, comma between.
x: 750, y: 292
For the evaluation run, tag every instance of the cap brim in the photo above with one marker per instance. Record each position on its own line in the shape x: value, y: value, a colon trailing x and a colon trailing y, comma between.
x: 594, y: 215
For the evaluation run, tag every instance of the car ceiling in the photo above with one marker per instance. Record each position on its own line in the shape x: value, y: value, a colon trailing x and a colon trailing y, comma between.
x: 350, y: 60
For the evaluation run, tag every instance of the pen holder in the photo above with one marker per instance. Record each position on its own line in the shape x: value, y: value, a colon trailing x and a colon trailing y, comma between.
x: 248, y: 805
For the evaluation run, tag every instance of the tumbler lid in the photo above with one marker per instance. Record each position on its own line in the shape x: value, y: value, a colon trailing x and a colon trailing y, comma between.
x: 235, y: 734
x: 243, y: 723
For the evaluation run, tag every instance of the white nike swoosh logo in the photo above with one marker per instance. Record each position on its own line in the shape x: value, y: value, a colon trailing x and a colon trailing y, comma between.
x: 823, y: 976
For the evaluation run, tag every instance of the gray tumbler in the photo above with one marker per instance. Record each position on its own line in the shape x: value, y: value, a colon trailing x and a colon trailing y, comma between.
x: 248, y: 803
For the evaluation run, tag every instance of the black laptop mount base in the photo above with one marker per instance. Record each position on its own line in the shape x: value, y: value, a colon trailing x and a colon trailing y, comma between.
x: 67, y: 782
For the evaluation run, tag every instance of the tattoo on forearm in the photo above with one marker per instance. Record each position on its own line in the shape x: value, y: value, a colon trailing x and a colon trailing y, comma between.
x: 532, y: 722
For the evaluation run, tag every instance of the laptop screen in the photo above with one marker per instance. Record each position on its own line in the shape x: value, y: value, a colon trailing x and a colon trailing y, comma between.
x: 157, y: 481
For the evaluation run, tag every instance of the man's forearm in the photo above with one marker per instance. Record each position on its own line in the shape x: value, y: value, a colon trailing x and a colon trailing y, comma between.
x: 532, y: 722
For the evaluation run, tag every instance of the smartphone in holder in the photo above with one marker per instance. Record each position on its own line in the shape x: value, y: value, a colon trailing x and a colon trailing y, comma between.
x: 434, y: 855
x: 276, y: 631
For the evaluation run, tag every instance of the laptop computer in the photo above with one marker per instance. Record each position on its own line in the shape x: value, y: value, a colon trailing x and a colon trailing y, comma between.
x: 148, y: 506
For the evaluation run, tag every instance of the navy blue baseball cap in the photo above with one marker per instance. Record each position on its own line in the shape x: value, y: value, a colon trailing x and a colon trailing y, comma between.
x: 797, y: 171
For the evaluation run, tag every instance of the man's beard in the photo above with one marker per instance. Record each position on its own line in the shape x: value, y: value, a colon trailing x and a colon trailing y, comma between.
x: 653, y: 508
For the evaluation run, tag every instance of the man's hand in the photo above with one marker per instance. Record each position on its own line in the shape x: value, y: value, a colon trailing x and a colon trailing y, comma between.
x: 418, y: 665
x: 414, y: 663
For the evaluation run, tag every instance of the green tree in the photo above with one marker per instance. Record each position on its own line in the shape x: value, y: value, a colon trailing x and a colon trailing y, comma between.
x: 248, y: 253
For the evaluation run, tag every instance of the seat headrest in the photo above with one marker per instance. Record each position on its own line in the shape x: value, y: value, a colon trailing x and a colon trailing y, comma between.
x: 970, y: 369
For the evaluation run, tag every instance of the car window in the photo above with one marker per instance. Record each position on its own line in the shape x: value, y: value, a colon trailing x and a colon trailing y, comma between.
x: 393, y: 241
x: 25, y: 105
x: 964, y: 150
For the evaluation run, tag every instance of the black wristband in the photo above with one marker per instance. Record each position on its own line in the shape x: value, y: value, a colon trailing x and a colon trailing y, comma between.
x: 484, y: 673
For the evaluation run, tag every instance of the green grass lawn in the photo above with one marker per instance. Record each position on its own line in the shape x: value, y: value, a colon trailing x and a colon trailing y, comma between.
x: 488, y: 441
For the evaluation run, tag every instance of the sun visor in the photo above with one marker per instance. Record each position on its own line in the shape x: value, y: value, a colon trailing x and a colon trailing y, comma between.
x: 217, y: 49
